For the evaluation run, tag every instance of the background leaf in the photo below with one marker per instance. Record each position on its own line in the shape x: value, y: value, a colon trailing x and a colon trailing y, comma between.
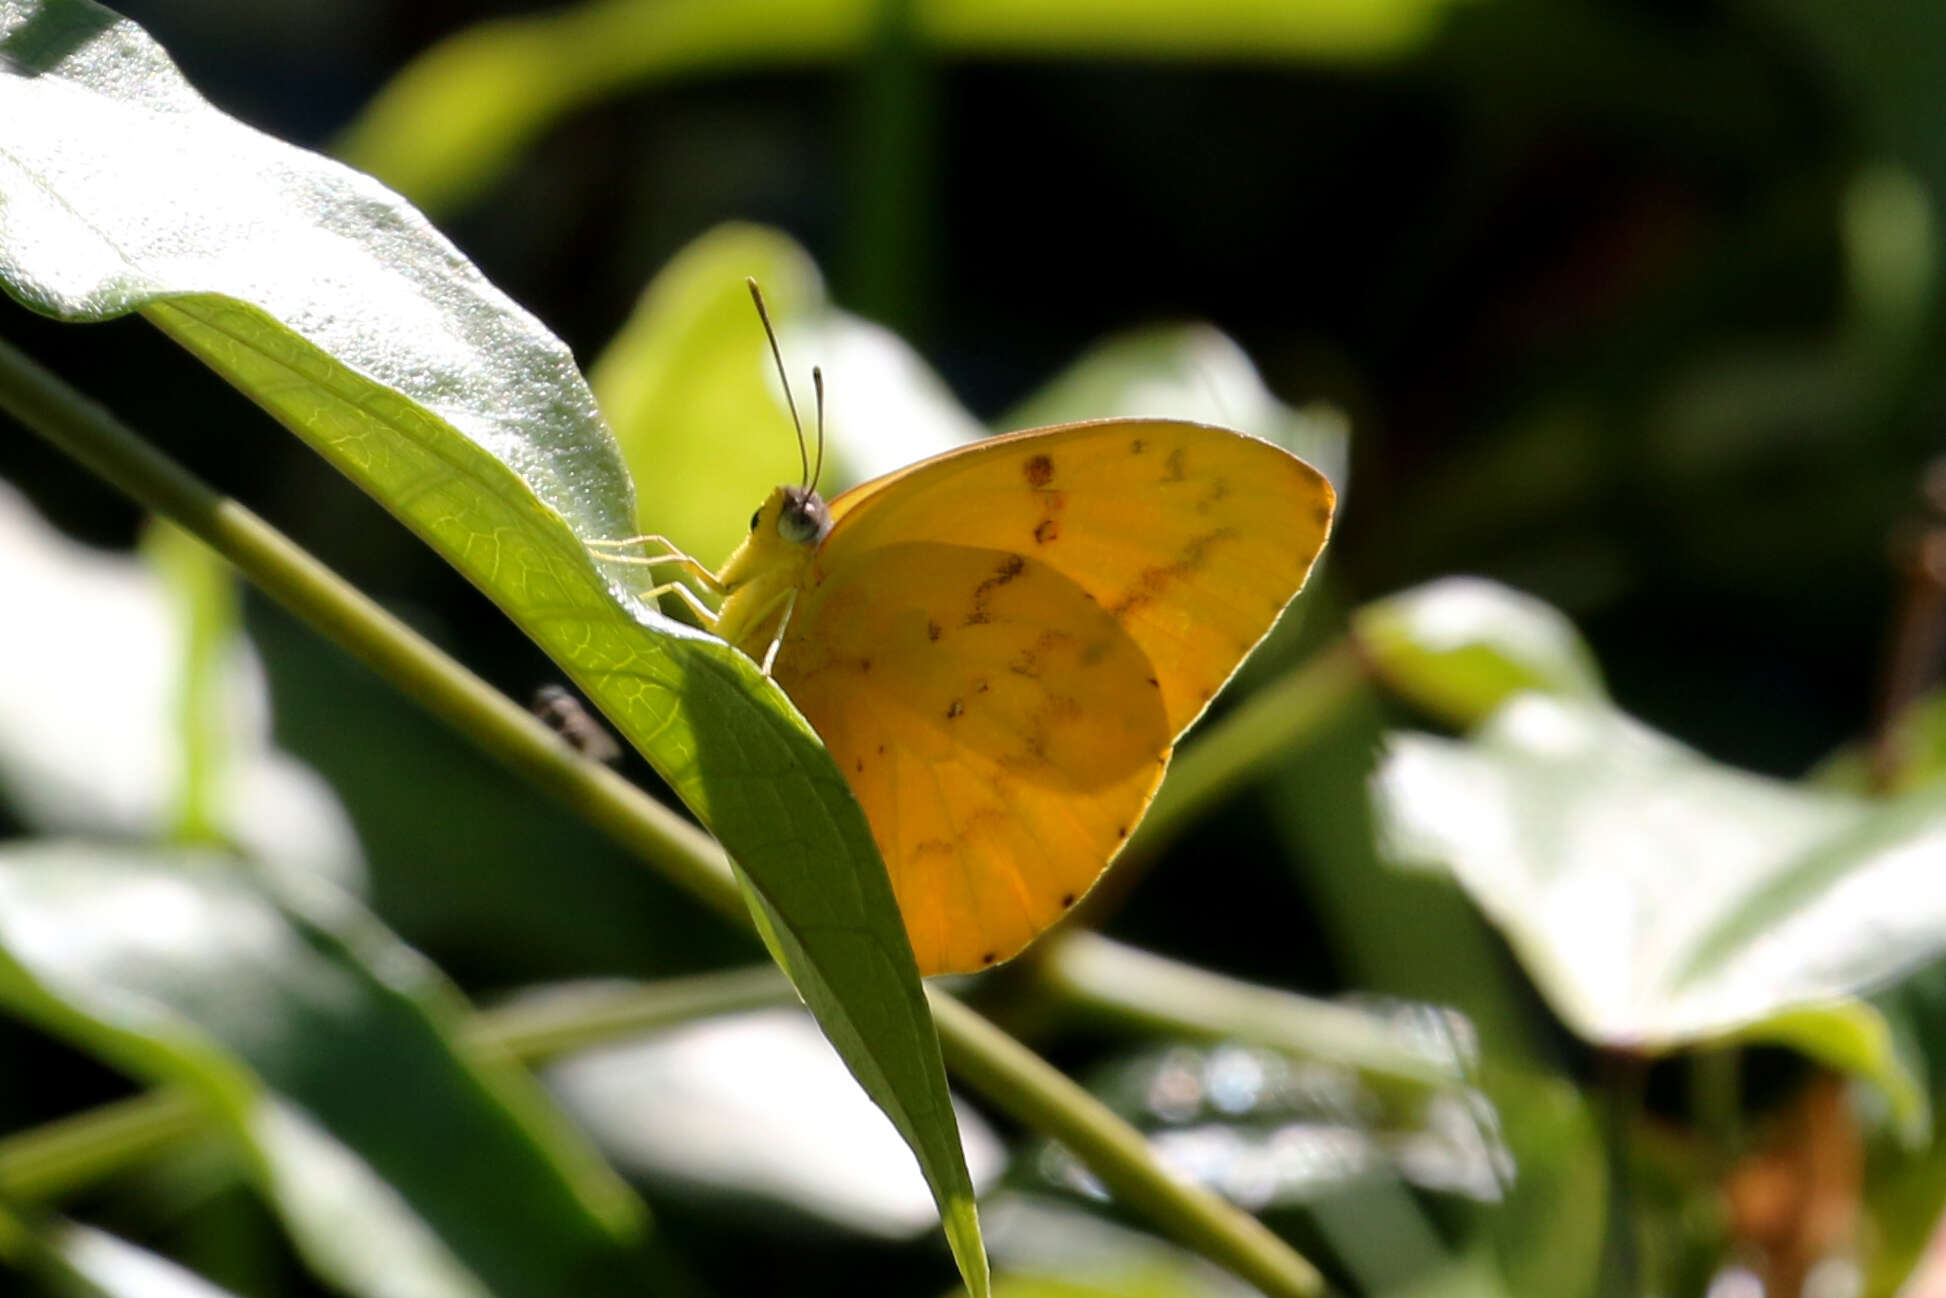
x: 107, y: 716
x: 335, y: 306
x: 1459, y: 647
x: 446, y: 128
x: 323, y: 1046
x: 1660, y: 900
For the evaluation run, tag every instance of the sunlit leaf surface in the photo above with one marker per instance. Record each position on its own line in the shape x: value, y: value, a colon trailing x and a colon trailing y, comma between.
x: 94, y: 735
x: 1461, y: 646
x: 337, y: 308
x: 1660, y: 899
x: 325, y: 1048
x: 758, y: 1105
x: 81, y: 1262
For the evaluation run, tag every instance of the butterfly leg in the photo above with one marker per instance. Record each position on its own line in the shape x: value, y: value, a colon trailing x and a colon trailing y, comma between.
x: 777, y: 641
x: 704, y: 613
x: 673, y: 557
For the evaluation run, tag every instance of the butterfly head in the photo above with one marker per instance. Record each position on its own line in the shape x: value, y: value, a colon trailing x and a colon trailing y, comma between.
x: 797, y: 515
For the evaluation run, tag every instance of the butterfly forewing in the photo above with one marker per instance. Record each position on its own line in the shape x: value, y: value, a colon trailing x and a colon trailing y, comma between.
x: 1194, y: 537
x: 1000, y: 645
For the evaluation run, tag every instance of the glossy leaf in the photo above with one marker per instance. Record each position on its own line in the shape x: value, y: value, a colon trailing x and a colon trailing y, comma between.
x: 1661, y: 900
x: 325, y: 1048
x: 337, y: 308
x: 1461, y: 646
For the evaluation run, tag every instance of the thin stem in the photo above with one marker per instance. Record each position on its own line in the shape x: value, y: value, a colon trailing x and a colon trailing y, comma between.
x: 536, y: 1029
x: 1272, y: 724
x: 1620, y: 1083
x: 1000, y: 1068
x: 1036, y: 1094
x: 287, y: 573
x: 51, y: 1160
x: 1124, y: 985
x: 1257, y: 734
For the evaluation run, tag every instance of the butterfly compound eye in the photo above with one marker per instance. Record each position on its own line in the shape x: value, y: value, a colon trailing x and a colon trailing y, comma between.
x: 804, y: 518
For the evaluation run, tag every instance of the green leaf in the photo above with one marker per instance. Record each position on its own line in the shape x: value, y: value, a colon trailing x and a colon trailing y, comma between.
x: 447, y: 126
x: 400, y: 1162
x: 690, y: 372
x: 203, y: 592
x: 1916, y: 753
x: 81, y: 1262
x: 1459, y: 647
x: 789, y: 1128
x: 1661, y: 900
x: 689, y: 388
x: 336, y: 307
x: 1193, y: 371
x: 145, y: 652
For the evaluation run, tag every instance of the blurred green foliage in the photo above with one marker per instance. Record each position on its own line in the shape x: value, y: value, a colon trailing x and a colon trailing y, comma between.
x: 1632, y: 313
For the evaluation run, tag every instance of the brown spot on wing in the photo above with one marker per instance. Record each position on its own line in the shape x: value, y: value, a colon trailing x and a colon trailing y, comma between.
x: 1046, y: 530
x: 989, y: 957
x: 1217, y: 491
x: 1010, y: 567
x: 933, y: 631
x: 955, y: 710
x: 1137, y: 446
x: 1151, y: 582
x: 1067, y: 898
x: 1173, y: 466
x: 1039, y: 471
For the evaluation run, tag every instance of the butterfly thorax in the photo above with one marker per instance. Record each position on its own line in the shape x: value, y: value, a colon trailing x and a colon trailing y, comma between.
x: 769, y: 567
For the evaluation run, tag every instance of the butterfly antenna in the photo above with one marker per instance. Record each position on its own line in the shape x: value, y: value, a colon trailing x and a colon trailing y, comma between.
x: 777, y: 354
x: 817, y: 381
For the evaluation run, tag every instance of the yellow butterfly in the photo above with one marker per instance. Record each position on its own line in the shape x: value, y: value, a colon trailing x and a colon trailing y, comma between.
x: 999, y: 645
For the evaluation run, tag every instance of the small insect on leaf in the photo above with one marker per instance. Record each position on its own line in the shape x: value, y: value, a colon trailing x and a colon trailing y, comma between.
x: 570, y: 718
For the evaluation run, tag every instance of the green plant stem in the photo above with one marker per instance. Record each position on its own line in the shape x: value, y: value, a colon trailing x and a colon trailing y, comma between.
x: 1000, y: 1068
x: 1119, y: 983
x: 287, y: 573
x: 1034, y: 1093
x: 894, y: 182
x: 1250, y: 741
x: 1620, y: 1082
x: 1715, y: 1090
x: 536, y: 1029
x: 48, y: 1161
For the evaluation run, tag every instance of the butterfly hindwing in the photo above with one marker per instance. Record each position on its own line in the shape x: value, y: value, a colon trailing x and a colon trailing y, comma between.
x: 999, y: 727
x: 1001, y: 644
